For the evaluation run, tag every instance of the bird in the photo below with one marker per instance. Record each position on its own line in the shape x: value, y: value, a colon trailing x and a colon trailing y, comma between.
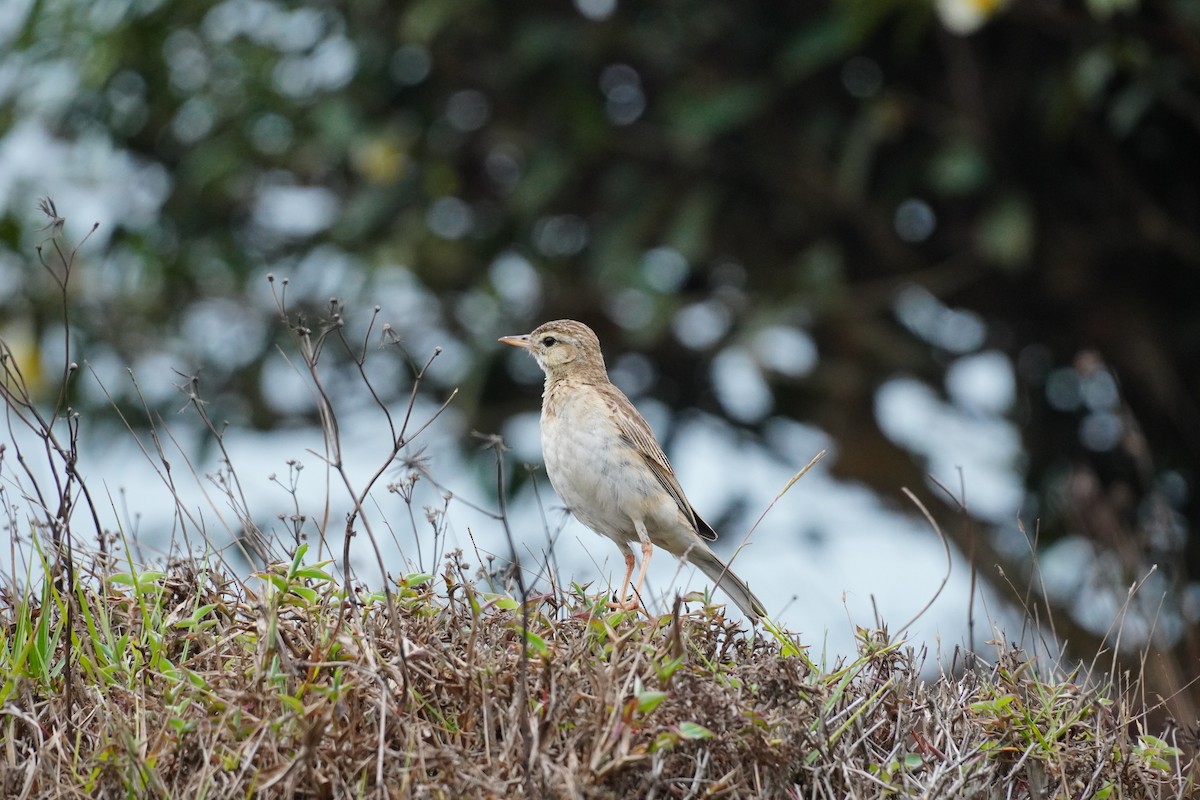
x: 608, y: 469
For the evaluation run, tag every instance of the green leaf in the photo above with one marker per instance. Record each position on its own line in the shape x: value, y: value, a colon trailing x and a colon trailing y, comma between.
x: 506, y: 603
x: 297, y: 558
x: 1148, y: 741
x: 142, y: 583
x: 694, y: 730
x: 649, y: 700
x: 305, y: 593
x: 537, y: 645
x: 664, y: 741
x: 278, y: 581
x: 196, y: 620
x: 668, y: 668
x: 997, y: 706
x: 313, y: 573
x: 292, y: 703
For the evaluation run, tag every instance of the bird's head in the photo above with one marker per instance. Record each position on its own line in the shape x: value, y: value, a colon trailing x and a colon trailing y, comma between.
x: 562, y: 348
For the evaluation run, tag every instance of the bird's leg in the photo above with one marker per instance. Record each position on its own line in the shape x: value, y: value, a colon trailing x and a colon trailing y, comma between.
x: 624, y: 581
x: 647, y: 551
x: 633, y: 603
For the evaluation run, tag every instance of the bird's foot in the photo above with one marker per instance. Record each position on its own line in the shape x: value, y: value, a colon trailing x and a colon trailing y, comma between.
x: 632, y: 604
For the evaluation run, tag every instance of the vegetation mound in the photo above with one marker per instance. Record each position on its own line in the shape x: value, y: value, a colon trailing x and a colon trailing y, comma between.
x: 190, y: 682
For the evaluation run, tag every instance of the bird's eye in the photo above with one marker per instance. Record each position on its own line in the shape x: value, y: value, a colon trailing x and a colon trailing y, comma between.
x: 549, y: 341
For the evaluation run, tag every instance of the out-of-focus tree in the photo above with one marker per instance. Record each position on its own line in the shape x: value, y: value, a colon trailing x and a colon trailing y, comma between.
x: 814, y: 198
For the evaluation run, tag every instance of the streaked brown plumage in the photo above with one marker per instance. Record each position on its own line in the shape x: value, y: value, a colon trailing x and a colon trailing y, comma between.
x: 606, y: 465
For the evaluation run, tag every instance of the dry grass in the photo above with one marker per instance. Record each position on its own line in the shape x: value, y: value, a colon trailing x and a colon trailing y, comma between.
x: 191, y: 683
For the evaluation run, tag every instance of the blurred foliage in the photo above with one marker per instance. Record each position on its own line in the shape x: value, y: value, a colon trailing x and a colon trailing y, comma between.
x: 893, y: 184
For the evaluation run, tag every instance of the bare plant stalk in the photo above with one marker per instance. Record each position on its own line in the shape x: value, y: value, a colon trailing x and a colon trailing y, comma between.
x: 496, y: 445
x: 311, y: 347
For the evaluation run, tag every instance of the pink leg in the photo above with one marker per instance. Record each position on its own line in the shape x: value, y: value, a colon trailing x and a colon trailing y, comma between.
x: 647, y: 552
x: 633, y: 603
x: 624, y: 581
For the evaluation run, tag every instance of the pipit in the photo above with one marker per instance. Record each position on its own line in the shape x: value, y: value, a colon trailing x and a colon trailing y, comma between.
x: 607, y: 467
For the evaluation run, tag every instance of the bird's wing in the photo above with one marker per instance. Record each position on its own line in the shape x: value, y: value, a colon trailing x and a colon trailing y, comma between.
x: 636, y: 431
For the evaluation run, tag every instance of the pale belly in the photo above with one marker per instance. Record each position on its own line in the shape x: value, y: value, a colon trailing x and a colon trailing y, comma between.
x: 599, y: 478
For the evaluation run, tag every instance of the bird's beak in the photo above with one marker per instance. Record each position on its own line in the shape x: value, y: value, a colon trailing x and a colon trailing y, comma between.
x: 518, y: 341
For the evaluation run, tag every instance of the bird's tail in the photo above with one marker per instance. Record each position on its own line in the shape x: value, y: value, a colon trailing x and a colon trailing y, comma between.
x: 732, y: 585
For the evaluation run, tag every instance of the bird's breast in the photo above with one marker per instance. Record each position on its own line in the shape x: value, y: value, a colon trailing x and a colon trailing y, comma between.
x: 594, y: 470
